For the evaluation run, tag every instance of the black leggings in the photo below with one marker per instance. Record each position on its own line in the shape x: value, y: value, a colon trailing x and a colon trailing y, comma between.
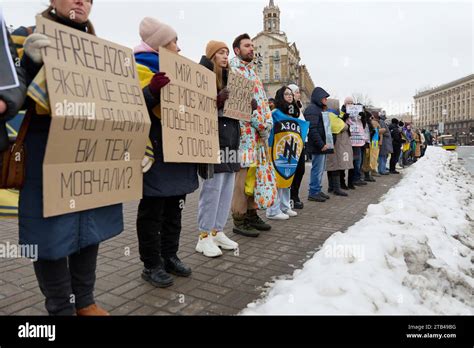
x: 68, y: 283
x: 299, y: 174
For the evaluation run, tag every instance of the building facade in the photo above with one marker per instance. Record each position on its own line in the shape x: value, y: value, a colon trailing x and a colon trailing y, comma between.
x: 279, y: 59
x: 449, y: 106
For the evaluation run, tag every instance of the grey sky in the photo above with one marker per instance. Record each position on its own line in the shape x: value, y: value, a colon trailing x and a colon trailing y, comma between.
x: 384, y: 49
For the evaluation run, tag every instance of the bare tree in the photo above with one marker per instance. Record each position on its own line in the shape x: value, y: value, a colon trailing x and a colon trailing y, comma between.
x: 363, y: 99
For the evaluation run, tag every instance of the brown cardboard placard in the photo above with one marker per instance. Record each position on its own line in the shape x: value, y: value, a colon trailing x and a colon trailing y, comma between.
x: 99, y: 125
x: 241, y: 92
x: 188, y: 111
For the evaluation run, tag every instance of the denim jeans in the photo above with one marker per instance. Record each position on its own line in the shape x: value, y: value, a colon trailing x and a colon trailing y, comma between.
x: 382, y: 164
x: 281, y: 204
x: 354, y: 174
x: 317, y: 170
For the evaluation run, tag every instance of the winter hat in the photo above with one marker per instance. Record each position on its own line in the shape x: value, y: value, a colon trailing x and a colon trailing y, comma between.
x: 348, y: 100
x: 293, y: 87
x: 214, y: 46
x: 155, y: 33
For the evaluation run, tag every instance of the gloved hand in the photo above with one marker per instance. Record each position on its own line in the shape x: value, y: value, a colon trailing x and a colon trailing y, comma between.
x: 254, y: 104
x: 33, y: 45
x: 222, y: 97
x: 147, y: 162
x: 158, y: 81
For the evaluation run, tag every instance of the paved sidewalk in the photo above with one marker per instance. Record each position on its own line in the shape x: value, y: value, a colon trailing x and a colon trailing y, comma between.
x: 224, y: 285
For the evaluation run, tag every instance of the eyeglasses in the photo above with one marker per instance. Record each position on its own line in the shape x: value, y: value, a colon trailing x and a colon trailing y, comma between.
x: 288, y: 94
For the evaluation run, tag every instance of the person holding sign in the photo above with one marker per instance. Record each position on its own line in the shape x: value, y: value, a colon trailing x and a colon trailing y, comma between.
x: 244, y: 209
x: 216, y: 193
x: 317, y: 144
x: 286, y: 143
x: 68, y: 244
x: 165, y: 185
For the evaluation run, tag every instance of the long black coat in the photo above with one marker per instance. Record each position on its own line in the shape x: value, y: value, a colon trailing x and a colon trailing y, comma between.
x: 313, y: 114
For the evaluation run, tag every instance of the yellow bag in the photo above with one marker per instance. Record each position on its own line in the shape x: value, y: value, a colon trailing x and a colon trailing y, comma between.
x: 250, y: 181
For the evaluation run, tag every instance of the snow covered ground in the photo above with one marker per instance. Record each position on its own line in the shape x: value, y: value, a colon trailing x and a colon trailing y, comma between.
x: 411, y: 254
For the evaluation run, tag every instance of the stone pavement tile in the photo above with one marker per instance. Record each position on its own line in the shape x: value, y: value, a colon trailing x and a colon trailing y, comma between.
x: 221, y: 286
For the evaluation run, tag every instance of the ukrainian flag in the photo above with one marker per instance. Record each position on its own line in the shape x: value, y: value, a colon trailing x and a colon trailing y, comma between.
x: 9, y: 198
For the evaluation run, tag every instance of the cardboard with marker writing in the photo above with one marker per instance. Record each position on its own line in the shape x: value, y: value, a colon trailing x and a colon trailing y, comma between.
x: 99, y: 125
x: 188, y: 111
x: 241, y: 92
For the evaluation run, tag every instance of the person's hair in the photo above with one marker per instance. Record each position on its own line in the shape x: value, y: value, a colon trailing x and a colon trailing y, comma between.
x: 219, y: 73
x: 238, y: 39
x: 47, y: 14
x: 285, y: 107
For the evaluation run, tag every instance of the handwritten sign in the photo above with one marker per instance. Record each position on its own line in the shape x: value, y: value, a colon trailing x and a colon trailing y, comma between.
x: 8, y: 76
x: 241, y: 92
x: 188, y: 111
x: 354, y: 110
x: 99, y: 125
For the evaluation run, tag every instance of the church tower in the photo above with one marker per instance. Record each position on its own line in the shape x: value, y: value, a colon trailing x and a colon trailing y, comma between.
x: 271, y: 18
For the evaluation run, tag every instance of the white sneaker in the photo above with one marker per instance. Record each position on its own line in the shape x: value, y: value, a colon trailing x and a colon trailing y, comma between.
x: 207, y: 247
x: 281, y: 216
x: 221, y: 240
x: 291, y: 213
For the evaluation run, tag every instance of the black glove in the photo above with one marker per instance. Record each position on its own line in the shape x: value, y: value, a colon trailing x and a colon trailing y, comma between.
x: 254, y: 104
x: 222, y: 97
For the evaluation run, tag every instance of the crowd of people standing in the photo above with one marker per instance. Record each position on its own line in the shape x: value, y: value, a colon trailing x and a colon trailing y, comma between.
x: 357, y: 148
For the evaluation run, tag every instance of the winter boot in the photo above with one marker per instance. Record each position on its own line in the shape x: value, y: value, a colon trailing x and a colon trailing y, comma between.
x: 330, y: 182
x: 242, y: 227
x: 92, y: 310
x: 368, y: 177
x: 336, y: 183
x: 256, y: 222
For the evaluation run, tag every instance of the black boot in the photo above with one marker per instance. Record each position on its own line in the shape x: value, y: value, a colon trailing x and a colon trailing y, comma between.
x: 157, y: 277
x: 330, y: 184
x: 242, y: 227
x: 175, y: 266
x: 368, y: 177
x: 256, y: 222
x: 337, y: 186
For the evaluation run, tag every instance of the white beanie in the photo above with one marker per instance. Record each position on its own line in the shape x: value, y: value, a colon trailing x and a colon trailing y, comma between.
x: 293, y: 87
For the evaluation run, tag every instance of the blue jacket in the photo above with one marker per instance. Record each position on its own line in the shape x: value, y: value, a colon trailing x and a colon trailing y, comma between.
x: 63, y: 235
x: 163, y: 179
x: 313, y: 114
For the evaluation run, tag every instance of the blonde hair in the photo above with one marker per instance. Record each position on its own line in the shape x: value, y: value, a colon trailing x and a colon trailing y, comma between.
x: 219, y: 72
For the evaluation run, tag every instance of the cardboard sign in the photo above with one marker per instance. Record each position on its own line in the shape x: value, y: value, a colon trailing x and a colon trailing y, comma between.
x: 354, y: 110
x: 241, y: 92
x: 188, y: 111
x: 8, y: 76
x: 327, y: 130
x: 99, y: 126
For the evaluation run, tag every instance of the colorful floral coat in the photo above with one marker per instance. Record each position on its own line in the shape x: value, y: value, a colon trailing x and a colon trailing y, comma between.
x: 261, y: 122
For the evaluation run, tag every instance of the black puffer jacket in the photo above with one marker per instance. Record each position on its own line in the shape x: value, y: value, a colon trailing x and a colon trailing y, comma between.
x: 229, y: 133
x: 313, y: 114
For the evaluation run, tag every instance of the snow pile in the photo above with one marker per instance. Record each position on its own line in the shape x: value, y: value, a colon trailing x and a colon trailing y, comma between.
x: 411, y: 254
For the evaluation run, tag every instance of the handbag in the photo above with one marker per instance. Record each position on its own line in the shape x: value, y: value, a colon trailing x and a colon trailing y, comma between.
x: 13, y: 161
x: 265, y: 187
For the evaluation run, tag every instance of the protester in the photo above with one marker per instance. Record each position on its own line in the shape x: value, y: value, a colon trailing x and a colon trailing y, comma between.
x: 358, y: 141
x: 165, y: 185
x: 386, y: 146
x: 396, y: 144
x: 342, y: 158
x: 271, y: 103
x: 418, y: 144
x: 317, y: 143
x: 371, y: 152
x: 215, y: 197
x: 300, y: 170
x: 285, y: 105
x: 252, y: 134
x: 68, y: 244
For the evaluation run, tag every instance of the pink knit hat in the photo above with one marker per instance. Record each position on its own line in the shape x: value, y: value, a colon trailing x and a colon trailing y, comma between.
x: 155, y: 33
